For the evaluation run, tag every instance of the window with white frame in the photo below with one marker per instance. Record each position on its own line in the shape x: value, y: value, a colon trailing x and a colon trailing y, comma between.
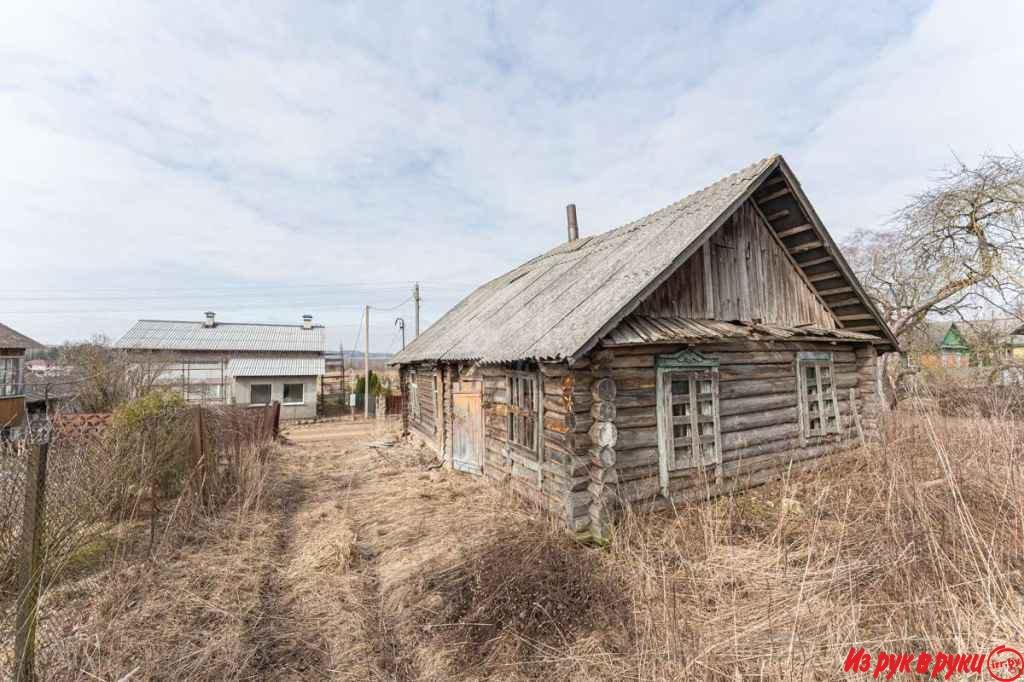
x: 259, y: 394
x: 689, y: 433
x: 523, y: 410
x: 292, y: 394
x: 819, y: 410
x: 10, y: 376
x: 414, y: 397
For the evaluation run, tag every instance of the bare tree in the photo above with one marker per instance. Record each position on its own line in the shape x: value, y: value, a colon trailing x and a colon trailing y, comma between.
x: 955, y: 247
x: 104, y: 377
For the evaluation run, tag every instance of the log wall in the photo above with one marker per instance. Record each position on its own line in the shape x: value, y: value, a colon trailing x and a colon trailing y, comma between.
x: 600, y: 436
x: 742, y: 273
x: 758, y: 404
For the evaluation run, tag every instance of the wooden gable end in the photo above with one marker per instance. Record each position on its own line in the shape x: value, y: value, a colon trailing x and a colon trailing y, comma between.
x: 742, y: 273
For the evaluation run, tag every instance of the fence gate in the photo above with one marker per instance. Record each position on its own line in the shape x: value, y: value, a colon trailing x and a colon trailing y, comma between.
x: 467, y: 426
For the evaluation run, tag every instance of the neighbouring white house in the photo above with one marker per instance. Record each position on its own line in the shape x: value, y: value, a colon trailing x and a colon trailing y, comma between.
x: 233, y: 362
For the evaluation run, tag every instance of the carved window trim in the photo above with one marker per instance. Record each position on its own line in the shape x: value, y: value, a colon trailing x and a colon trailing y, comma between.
x: 689, y: 425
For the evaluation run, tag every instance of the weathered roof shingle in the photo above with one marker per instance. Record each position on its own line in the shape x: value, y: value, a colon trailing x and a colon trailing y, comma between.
x: 559, y: 305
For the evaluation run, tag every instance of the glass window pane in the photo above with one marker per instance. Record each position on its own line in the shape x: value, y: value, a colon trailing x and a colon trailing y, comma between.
x: 292, y: 393
x: 259, y: 394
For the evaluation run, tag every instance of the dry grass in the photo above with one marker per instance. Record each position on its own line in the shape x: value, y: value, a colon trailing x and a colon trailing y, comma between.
x: 370, y: 564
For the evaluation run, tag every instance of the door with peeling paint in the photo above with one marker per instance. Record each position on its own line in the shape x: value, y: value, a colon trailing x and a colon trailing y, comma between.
x: 467, y: 426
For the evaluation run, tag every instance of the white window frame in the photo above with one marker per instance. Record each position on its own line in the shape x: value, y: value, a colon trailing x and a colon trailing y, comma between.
x: 413, y: 390
x: 822, y: 392
x: 270, y: 393
x: 302, y: 390
x: 704, y: 431
x: 17, y: 389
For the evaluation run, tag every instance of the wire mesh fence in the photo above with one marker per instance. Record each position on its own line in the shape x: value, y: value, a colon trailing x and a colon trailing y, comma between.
x: 107, y: 485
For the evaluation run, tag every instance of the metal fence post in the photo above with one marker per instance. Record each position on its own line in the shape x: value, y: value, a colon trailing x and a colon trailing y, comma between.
x: 30, y: 570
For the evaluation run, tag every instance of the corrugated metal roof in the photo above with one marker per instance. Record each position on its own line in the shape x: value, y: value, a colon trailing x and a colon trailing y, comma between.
x: 641, y: 329
x: 275, y: 367
x: 12, y: 339
x: 224, y: 336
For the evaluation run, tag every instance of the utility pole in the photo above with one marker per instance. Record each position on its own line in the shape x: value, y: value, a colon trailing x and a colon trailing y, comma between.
x: 416, y: 299
x: 366, y: 365
x: 401, y: 325
x: 344, y: 376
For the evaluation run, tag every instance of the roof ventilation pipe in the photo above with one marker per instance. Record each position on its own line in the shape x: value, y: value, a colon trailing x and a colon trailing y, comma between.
x: 574, y: 229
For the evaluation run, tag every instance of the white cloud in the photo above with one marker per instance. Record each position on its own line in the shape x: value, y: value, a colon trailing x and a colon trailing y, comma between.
x: 208, y: 155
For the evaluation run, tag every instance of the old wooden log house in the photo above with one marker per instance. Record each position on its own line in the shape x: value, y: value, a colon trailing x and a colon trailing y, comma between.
x: 712, y: 345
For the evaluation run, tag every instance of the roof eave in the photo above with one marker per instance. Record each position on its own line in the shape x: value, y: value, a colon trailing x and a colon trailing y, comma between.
x: 833, y: 250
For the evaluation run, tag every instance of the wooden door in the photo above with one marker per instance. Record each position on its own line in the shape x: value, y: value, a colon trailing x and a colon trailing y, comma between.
x: 467, y: 426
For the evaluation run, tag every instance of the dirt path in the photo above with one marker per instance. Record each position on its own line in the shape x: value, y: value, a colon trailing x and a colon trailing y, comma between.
x: 322, y: 611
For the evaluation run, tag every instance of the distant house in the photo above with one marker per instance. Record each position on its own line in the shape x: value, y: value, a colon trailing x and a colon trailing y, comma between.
x: 12, y: 377
x: 235, y: 363
x: 710, y: 346
x: 40, y: 366
x: 968, y: 343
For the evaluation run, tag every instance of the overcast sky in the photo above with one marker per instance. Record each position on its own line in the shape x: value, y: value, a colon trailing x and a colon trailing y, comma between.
x: 265, y: 160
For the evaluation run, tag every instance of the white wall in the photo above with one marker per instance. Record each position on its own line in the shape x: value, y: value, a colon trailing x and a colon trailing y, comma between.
x: 307, y: 410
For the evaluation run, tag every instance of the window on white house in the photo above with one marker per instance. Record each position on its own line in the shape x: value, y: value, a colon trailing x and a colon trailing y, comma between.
x: 819, y: 411
x: 292, y: 394
x: 259, y: 394
x: 10, y: 376
x: 414, y: 397
x: 523, y: 410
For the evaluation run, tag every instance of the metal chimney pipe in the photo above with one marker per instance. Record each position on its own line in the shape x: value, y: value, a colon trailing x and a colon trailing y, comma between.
x: 209, y: 320
x: 307, y: 321
x: 574, y: 228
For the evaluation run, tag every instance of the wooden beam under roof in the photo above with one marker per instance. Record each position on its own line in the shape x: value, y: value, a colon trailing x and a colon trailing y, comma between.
x: 774, y: 195
x: 822, y: 276
x: 790, y: 231
x: 846, y: 302
x: 809, y: 246
x: 775, y: 216
x: 815, y: 261
x: 836, y: 290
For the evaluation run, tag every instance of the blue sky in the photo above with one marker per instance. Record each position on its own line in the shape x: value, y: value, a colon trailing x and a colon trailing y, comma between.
x: 265, y: 160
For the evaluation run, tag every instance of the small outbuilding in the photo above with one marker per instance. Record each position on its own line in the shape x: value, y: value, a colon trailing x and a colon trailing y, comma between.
x: 710, y: 346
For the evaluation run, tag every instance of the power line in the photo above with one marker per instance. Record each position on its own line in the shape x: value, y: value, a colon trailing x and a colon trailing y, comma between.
x: 393, y: 284
x: 396, y: 307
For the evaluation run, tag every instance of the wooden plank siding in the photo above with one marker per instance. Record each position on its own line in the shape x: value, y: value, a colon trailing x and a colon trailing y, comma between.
x: 426, y: 426
x: 742, y: 273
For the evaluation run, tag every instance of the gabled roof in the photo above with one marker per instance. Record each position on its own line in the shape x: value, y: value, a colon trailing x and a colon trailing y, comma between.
x: 12, y: 339
x: 275, y: 367
x: 224, y: 336
x: 965, y: 334
x: 561, y: 304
